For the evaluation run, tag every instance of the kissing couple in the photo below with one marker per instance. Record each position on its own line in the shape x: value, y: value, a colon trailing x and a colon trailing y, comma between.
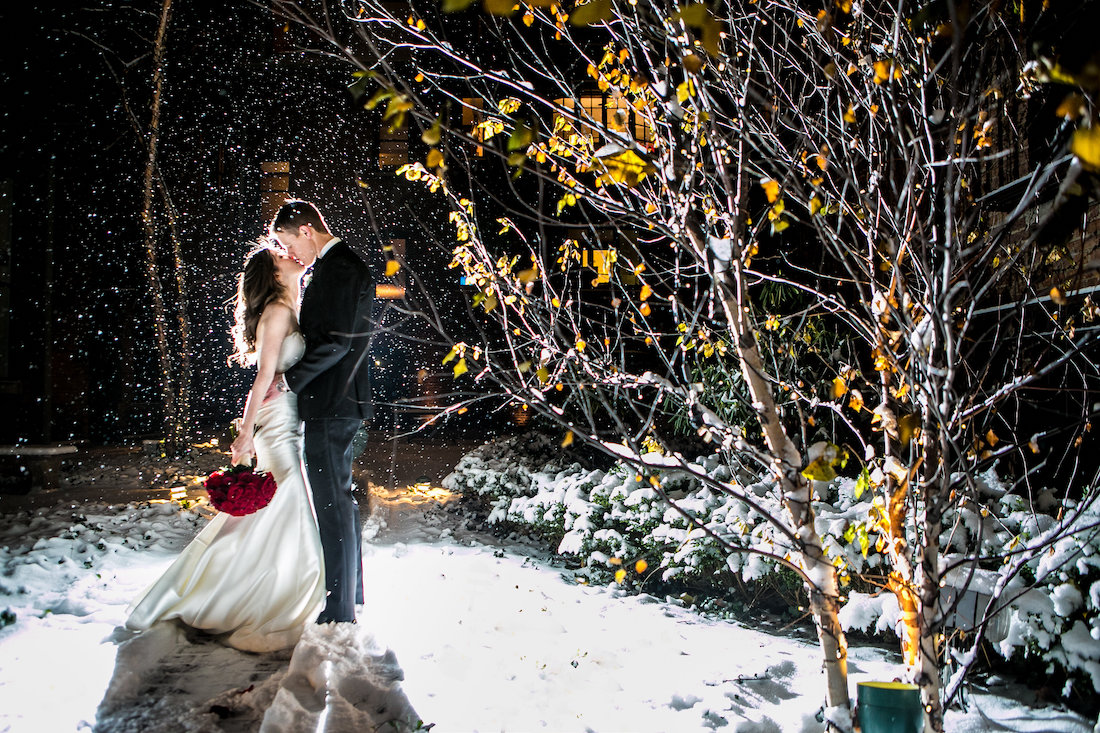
x: 259, y: 579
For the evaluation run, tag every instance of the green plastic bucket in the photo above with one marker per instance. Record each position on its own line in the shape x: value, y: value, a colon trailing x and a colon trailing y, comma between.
x: 889, y: 707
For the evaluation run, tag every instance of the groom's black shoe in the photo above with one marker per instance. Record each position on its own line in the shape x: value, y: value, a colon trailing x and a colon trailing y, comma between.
x: 324, y: 618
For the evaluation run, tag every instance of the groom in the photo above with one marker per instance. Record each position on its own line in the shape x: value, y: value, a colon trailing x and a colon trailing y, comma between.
x: 333, y: 390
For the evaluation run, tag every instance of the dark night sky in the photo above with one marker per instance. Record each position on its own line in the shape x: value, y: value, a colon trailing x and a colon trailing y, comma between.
x: 82, y: 361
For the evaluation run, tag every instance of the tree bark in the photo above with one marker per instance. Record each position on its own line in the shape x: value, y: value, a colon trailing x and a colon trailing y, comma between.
x: 797, y: 495
x: 149, y: 221
x: 820, y: 573
x: 182, y: 413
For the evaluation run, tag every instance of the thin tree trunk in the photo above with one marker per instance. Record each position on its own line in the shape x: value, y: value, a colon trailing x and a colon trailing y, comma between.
x: 148, y: 219
x: 821, y: 577
x: 822, y: 584
x: 48, y: 335
x: 183, y: 376
x: 927, y: 674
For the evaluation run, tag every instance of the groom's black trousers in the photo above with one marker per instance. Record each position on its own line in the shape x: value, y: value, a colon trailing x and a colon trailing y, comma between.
x: 328, y: 457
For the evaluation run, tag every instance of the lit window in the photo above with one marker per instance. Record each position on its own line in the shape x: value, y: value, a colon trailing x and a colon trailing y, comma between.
x: 473, y: 115
x: 601, y: 261
x: 607, y: 113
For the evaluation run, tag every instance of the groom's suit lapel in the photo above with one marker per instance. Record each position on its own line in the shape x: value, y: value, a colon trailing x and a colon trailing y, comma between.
x: 311, y: 292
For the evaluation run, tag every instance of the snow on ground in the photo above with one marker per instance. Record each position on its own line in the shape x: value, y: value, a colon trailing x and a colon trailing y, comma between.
x: 459, y: 630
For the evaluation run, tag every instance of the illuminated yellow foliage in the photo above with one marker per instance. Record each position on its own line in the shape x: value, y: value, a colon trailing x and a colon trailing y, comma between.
x: 432, y: 135
x: 591, y: 12
x: 855, y: 400
x: 839, y: 388
x: 771, y: 189
x: 499, y: 7
x: 698, y: 17
x: 886, y: 70
x: 1086, y: 146
x: 627, y: 167
x: 829, y: 457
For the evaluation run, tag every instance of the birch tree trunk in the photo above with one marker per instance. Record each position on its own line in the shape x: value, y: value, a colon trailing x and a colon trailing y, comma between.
x: 183, y: 376
x: 936, y: 487
x: 822, y: 585
x: 821, y: 578
x: 149, y: 221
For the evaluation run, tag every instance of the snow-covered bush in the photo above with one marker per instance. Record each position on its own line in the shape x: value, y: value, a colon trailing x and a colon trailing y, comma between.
x: 607, y: 521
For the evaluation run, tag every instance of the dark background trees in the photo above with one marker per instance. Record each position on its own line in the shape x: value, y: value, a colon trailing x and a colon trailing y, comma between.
x: 243, y: 93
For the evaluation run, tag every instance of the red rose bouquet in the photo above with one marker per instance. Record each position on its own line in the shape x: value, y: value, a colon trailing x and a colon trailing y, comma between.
x: 239, y: 490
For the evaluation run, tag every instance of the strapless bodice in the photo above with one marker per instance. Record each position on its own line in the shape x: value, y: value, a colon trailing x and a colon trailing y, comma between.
x: 294, y: 345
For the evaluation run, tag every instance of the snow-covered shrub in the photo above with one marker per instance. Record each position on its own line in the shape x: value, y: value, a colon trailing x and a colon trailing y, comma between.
x: 607, y: 521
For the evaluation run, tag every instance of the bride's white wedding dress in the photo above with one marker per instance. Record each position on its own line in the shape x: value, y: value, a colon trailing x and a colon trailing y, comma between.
x: 258, y: 578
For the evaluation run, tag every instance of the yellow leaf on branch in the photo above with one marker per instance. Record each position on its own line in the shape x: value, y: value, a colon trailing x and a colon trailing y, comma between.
x: 392, y: 266
x: 771, y: 189
x: 839, y: 388
x: 433, y: 134
x: 460, y: 367
x: 855, y: 401
x: 499, y: 7
x: 699, y: 17
x: 908, y: 427
x: 824, y: 458
x: 567, y: 440
x: 1086, y: 146
x: 435, y: 158
x: 626, y: 167
x: 591, y: 12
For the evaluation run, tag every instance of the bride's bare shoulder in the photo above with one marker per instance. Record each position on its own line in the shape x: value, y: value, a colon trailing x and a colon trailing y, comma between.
x: 279, y: 315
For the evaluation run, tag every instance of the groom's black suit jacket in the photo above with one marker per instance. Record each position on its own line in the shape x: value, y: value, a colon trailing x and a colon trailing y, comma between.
x: 332, y: 379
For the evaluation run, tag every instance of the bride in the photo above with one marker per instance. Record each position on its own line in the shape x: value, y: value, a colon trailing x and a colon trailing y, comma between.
x: 257, y: 578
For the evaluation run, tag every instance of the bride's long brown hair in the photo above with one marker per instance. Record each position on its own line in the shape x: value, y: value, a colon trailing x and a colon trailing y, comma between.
x: 257, y: 288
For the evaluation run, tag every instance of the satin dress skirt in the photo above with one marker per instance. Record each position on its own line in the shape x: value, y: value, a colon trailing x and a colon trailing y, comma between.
x: 258, y: 578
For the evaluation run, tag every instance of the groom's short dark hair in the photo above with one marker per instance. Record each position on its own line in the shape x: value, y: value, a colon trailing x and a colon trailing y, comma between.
x: 295, y: 213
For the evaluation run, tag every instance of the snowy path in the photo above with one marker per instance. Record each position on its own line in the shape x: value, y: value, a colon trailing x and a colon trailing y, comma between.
x: 485, y: 638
